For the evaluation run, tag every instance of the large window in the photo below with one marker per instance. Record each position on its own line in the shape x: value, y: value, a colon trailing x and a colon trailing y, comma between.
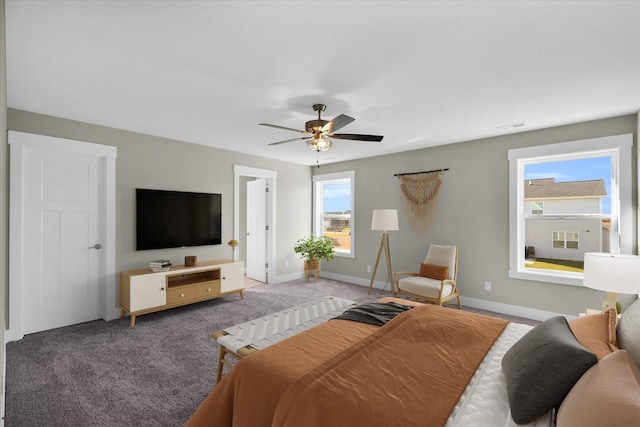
x: 567, y: 199
x: 333, y: 210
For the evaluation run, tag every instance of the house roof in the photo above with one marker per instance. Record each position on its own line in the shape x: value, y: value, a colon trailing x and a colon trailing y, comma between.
x: 548, y: 188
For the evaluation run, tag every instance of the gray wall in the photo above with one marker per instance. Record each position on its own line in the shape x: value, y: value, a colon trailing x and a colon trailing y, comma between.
x: 145, y: 161
x: 474, y: 215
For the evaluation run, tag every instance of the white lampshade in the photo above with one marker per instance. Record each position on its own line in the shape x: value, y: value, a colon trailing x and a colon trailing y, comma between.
x: 385, y: 220
x: 612, y: 272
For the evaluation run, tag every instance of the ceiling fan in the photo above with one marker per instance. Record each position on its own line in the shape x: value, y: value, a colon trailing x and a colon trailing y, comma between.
x: 319, y: 131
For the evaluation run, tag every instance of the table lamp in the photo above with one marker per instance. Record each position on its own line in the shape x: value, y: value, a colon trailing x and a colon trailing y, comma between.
x: 612, y: 273
x: 384, y: 220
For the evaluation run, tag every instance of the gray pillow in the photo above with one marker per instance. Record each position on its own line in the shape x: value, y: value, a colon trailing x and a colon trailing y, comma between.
x: 542, y: 367
x: 628, y: 331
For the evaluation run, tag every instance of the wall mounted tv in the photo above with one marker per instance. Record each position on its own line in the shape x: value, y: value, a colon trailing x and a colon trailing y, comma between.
x: 173, y: 219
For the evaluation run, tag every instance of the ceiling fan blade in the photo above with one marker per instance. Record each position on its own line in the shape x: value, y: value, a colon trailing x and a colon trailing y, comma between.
x: 337, y: 123
x: 282, y: 127
x: 290, y: 140
x: 356, y: 137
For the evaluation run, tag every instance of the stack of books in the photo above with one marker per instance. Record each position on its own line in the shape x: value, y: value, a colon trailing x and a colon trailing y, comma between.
x: 160, y: 265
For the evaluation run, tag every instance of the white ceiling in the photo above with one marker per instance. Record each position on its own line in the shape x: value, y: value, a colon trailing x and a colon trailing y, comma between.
x: 419, y: 73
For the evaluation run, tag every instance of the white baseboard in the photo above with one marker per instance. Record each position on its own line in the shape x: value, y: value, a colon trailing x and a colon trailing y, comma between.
x: 356, y: 280
x: 511, y: 310
x: 12, y: 335
x: 497, y: 307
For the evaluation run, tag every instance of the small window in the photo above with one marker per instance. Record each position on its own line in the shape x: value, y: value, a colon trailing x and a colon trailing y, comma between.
x: 571, y: 240
x: 558, y: 240
x: 537, y: 208
x: 565, y: 240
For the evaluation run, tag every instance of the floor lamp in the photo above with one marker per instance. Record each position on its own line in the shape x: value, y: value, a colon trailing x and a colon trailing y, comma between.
x: 612, y: 273
x: 384, y: 220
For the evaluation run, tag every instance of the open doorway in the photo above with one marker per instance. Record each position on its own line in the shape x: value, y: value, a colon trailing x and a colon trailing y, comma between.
x: 254, y: 221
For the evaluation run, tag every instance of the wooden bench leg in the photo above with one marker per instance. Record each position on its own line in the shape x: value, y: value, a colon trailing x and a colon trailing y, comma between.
x: 223, y: 353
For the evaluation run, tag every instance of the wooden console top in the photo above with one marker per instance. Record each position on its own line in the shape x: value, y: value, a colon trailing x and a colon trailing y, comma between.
x: 179, y: 267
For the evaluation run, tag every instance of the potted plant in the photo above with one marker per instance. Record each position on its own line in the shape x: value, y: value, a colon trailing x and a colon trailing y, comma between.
x: 314, y: 249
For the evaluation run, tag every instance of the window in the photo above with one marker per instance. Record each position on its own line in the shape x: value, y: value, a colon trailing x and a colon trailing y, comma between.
x: 333, y: 210
x: 537, y: 208
x: 579, y: 194
x: 571, y: 241
x: 565, y: 240
x: 558, y: 239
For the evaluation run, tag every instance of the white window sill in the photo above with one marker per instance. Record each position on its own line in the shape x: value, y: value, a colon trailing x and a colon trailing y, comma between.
x: 537, y: 275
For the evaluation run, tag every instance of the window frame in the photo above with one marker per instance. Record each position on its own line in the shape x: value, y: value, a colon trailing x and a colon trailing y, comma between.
x: 616, y: 146
x: 318, y: 208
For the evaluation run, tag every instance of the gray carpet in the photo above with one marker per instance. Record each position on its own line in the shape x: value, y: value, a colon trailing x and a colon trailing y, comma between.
x: 107, y: 374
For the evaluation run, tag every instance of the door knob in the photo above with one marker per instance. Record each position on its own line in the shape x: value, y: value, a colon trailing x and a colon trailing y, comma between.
x: 96, y: 246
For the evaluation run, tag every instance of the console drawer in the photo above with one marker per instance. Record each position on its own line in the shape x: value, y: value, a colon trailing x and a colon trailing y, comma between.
x: 208, y: 289
x: 180, y: 294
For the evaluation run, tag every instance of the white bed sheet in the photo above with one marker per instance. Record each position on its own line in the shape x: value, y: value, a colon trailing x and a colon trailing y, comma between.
x: 484, y: 403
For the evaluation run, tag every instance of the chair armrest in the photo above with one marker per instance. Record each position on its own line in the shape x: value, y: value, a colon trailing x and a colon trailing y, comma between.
x: 449, y: 282
x: 406, y: 273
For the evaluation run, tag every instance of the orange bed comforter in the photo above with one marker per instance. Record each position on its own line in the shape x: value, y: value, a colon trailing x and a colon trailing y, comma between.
x: 410, y: 372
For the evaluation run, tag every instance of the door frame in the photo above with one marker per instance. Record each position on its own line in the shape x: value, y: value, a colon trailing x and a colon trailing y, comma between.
x: 271, y: 177
x: 19, y: 142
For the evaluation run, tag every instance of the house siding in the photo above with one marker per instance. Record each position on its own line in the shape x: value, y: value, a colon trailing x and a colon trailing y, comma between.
x: 566, y: 206
x: 539, y: 234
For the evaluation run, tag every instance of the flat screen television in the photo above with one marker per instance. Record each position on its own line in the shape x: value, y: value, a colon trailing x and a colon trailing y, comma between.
x: 173, y: 219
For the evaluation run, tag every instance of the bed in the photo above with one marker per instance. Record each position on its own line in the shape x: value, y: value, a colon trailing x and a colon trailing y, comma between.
x: 429, y: 366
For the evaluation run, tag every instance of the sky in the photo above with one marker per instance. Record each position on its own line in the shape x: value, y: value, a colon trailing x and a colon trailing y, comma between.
x: 337, y: 196
x: 575, y: 170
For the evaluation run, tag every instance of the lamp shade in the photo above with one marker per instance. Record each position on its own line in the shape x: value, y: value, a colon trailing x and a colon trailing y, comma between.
x: 385, y: 220
x: 612, y: 272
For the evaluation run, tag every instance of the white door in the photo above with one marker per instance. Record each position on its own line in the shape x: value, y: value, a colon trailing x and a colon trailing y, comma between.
x: 256, y: 230
x: 60, y: 253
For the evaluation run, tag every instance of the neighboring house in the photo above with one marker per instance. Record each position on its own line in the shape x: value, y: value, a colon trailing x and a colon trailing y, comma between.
x: 337, y: 221
x: 557, y: 230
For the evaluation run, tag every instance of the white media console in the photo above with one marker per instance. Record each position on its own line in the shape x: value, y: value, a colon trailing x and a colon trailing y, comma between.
x: 143, y: 291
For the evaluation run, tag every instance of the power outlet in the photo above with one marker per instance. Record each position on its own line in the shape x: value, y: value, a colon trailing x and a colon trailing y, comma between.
x: 368, y: 269
x: 487, y: 286
x: 286, y: 264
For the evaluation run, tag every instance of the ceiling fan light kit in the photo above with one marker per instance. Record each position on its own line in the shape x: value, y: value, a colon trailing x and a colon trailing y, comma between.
x: 320, y: 144
x: 320, y: 131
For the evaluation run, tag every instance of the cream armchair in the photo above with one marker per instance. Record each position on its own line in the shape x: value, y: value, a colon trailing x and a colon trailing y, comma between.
x: 436, y: 281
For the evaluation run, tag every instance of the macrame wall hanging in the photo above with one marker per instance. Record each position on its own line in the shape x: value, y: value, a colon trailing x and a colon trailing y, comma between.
x: 421, y: 199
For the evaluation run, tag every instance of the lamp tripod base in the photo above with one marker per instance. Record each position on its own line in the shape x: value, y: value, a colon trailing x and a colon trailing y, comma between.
x: 384, y: 246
